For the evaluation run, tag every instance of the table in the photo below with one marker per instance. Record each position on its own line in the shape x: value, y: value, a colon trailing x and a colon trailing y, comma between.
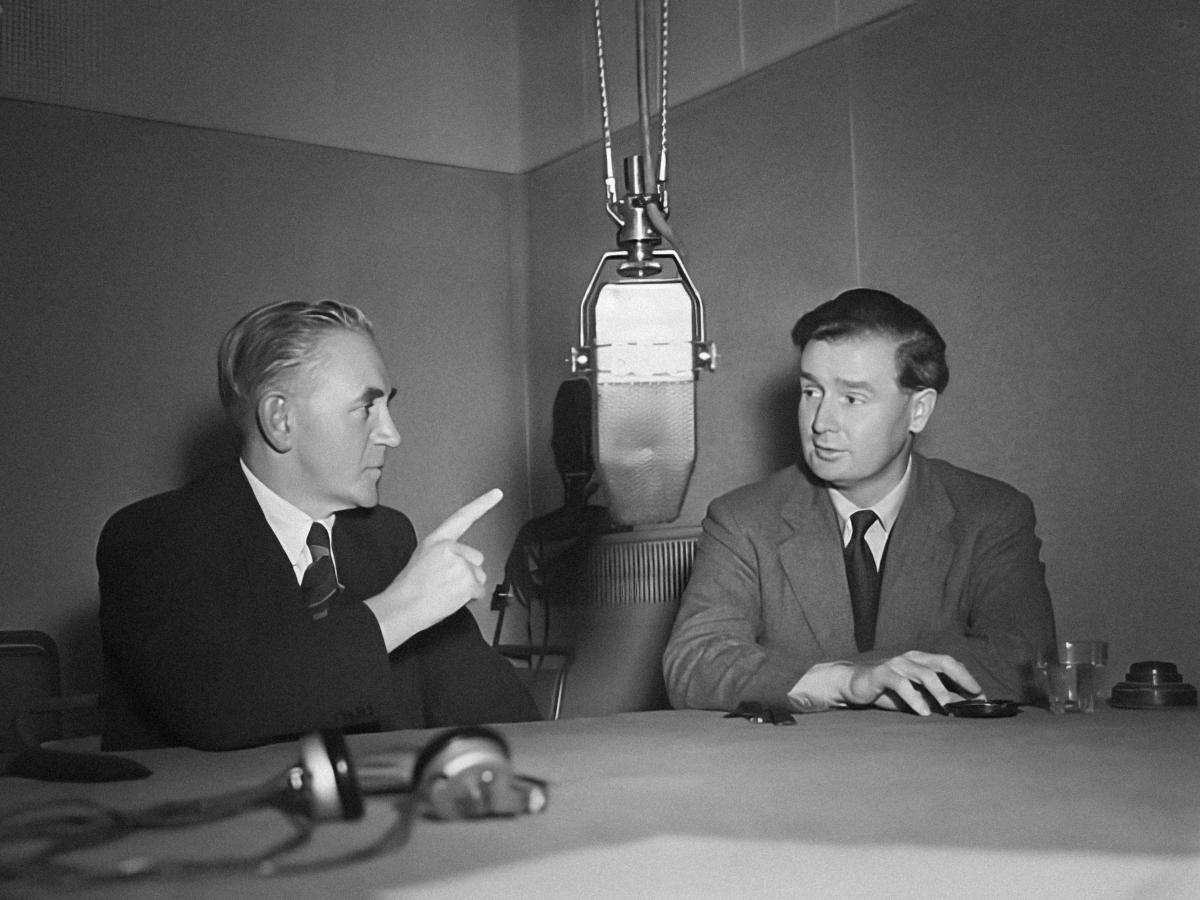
x: 691, y: 804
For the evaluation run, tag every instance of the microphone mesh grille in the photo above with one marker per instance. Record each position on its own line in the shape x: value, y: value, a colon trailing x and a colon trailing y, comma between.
x: 646, y: 448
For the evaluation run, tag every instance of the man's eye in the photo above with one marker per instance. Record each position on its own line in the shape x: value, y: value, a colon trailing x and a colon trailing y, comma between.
x: 810, y: 392
x: 855, y: 400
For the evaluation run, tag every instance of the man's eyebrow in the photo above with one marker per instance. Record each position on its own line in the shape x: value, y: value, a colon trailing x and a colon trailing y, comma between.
x: 840, y: 382
x: 371, y: 394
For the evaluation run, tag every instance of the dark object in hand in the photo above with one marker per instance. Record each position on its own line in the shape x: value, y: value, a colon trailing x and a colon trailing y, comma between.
x: 1152, y: 684
x: 983, y: 709
x: 762, y: 714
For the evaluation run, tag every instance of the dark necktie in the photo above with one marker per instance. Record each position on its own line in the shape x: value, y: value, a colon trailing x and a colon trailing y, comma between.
x: 864, y: 580
x: 320, y: 584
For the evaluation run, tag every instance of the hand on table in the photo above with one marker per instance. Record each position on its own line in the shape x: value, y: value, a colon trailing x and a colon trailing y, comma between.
x: 909, y: 681
x: 442, y: 576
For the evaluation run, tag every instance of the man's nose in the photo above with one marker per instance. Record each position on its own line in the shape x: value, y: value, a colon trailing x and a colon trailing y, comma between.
x: 824, y: 416
x: 386, y: 432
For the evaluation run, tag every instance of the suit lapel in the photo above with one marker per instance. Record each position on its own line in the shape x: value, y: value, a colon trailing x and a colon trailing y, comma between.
x: 919, y: 554
x: 811, y: 557
x: 362, y: 560
x: 266, y: 570
x: 348, y: 553
x: 362, y: 564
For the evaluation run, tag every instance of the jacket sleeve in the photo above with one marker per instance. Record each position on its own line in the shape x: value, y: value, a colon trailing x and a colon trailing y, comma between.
x: 714, y: 658
x: 1006, y: 615
x: 467, y: 681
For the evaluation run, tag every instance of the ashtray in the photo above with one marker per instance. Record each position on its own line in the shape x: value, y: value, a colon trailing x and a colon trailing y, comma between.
x: 1152, y: 684
x: 982, y: 709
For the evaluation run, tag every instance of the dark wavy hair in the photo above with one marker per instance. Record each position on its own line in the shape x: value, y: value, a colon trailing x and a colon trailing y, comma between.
x: 920, y: 350
x: 272, y: 342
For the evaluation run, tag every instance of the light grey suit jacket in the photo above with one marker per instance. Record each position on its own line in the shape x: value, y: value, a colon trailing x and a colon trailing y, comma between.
x: 768, y: 597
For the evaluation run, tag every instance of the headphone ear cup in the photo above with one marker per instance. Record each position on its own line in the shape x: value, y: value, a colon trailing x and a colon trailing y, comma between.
x: 456, y: 774
x: 453, y: 798
x: 329, y: 785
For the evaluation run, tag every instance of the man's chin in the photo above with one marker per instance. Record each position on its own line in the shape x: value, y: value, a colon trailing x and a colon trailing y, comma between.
x: 822, y: 469
x: 364, y: 498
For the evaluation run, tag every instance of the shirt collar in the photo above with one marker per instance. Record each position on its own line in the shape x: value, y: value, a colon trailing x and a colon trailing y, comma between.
x: 290, y: 524
x: 886, y: 509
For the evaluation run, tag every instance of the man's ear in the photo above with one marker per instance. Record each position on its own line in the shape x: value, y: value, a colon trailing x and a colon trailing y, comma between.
x: 275, y: 421
x: 920, y: 409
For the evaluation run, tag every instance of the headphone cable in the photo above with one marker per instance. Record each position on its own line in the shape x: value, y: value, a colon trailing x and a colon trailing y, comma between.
x: 83, y: 825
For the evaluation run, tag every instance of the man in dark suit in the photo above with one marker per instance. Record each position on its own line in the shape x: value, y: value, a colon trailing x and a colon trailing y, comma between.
x: 867, y: 576
x: 212, y: 636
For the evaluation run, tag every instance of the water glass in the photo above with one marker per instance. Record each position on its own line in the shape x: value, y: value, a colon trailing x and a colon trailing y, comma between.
x: 1070, y: 675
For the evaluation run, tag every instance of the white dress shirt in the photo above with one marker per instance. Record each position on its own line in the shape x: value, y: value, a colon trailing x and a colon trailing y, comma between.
x: 290, y: 524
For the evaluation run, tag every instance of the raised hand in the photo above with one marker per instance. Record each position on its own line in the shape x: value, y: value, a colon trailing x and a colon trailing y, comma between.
x: 441, y: 577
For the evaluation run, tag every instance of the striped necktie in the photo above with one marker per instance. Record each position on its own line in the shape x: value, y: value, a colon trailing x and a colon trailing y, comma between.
x: 320, y: 584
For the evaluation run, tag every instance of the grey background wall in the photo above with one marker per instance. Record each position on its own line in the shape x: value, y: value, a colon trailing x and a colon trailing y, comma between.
x: 1026, y: 172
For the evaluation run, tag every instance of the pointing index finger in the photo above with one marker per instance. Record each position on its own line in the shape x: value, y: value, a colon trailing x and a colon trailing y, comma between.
x: 457, y: 524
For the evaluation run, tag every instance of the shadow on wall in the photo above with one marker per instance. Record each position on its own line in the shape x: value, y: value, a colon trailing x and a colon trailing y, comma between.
x: 777, y: 410
x: 208, y: 441
x: 78, y: 639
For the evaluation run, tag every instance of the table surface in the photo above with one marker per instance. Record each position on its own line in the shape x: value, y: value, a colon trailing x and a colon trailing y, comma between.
x: 689, y: 803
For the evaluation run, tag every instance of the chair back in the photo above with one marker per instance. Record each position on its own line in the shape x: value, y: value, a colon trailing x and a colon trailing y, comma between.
x: 29, y: 671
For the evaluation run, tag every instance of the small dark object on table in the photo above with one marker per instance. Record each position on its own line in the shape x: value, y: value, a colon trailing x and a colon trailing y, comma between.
x: 762, y: 714
x: 1152, y: 684
x: 979, y: 708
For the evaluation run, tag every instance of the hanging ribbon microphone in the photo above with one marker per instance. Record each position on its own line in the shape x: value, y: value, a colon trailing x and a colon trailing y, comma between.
x: 642, y: 339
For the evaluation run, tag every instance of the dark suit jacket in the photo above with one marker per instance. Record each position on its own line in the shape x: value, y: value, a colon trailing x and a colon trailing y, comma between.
x: 768, y: 596
x: 207, y: 642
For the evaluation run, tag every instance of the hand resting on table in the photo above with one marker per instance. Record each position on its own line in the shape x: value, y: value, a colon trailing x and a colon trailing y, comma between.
x: 908, y: 681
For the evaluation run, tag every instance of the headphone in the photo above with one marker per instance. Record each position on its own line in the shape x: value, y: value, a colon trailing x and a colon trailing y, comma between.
x: 466, y: 773
x: 323, y: 784
x: 462, y: 773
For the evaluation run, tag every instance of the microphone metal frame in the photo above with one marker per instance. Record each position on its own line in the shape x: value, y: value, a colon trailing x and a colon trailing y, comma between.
x: 583, y: 354
x: 642, y: 343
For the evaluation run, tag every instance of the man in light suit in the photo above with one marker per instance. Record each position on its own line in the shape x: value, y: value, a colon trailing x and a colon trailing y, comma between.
x: 960, y: 606
x: 207, y: 638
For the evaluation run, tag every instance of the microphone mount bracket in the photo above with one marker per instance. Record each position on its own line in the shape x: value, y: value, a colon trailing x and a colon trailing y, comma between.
x: 583, y: 358
x: 636, y: 232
